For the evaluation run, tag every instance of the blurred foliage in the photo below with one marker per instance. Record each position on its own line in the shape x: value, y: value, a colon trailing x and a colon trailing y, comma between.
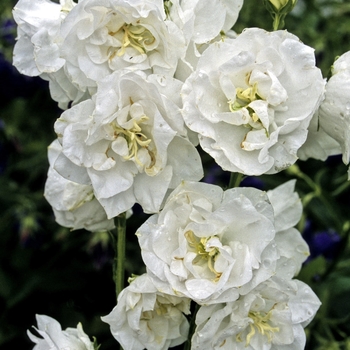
x: 47, y: 269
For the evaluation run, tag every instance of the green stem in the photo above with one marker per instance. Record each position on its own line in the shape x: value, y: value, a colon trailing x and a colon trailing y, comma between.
x: 278, y: 21
x: 317, y: 193
x: 235, y: 180
x: 192, y: 329
x: 119, y: 257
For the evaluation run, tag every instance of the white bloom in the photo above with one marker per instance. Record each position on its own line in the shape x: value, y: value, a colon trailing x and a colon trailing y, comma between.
x: 334, y: 114
x: 318, y: 145
x: 131, y: 140
x: 73, y: 203
x: 270, y: 317
x: 146, y: 318
x: 291, y: 246
x: 37, y: 51
x: 54, y: 338
x: 286, y: 204
x: 201, y: 21
x: 37, y: 47
x: 109, y: 35
x: 251, y: 100
x: 209, y: 245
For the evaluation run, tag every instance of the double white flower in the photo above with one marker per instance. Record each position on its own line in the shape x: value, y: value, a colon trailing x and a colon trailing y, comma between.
x: 129, y: 142
x: 38, y: 48
x: 147, y: 318
x: 270, y: 317
x: 109, y: 35
x: 212, y: 245
x: 251, y: 100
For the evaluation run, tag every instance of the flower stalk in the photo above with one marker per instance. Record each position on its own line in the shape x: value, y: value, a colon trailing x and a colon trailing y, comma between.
x: 192, y: 329
x: 119, y: 242
x: 235, y: 180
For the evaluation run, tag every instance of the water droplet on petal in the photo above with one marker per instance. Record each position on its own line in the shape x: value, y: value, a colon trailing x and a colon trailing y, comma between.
x: 267, y: 263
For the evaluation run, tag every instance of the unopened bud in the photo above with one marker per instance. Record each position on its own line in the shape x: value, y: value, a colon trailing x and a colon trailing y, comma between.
x: 280, y: 4
x: 279, y: 10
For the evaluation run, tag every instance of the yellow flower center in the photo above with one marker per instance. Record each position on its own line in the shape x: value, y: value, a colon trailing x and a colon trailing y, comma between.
x: 243, y: 98
x: 135, y: 140
x: 135, y: 36
x: 203, y: 251
x: 243, y: 101
x: 261, y: 325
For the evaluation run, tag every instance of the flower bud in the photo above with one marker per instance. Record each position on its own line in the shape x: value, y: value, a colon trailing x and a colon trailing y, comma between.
x: 279, y: 10
x: 280, y: 4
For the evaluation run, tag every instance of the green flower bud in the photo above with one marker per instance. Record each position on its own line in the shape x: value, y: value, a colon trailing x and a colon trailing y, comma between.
x: 279, y: 4
x: 279, y: 10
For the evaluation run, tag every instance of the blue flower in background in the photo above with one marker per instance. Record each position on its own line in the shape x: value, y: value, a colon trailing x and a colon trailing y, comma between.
x: 326, y: 243
x: 253, y: 181
x: 8, y: 30
x: 215, y: 175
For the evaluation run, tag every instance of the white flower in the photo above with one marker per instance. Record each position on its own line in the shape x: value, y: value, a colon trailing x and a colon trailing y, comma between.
x: 37, y: 51
x: 270, y: 317
x: 292, y: 248
x: 73, y: 203
x: 109, y: 35
x: 318, y: 145
x: 201, y: 21
x: 146, y: 318
x: 37, y: 47
x: 286, y: 204
x: 209, y: 245
x: 54, y: 338
x: 251, y: 100
x: 131, y: 140
x: 334, y: 113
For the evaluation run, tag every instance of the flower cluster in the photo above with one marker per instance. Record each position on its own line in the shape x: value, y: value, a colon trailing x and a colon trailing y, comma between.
x: 235, y: 253
x: 142, y: 83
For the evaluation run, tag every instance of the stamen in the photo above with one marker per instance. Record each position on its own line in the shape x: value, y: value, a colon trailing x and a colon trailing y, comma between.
x: 135, y: 36
x: 243, y: 99
x: 134, y: 138
x: 199, y: 246
x: 261, y: 325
